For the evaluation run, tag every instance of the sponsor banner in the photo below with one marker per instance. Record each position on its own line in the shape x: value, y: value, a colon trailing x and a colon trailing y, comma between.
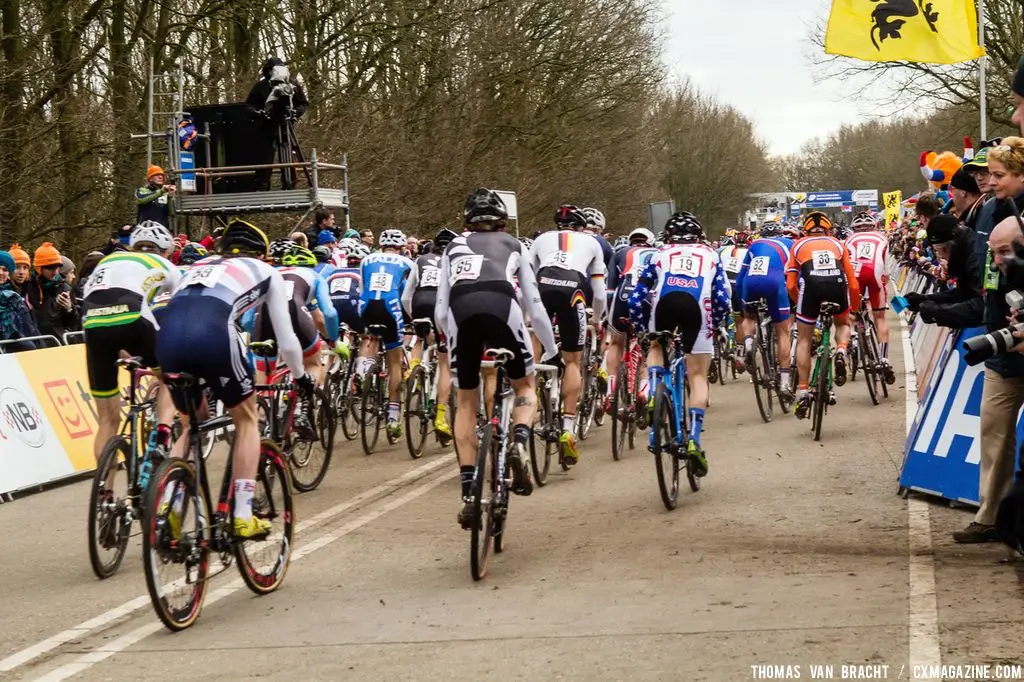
x: 892, y: 201
x: 841, y: 198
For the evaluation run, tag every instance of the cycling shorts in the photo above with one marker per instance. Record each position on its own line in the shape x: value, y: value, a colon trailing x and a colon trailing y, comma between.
x: 871, y: 283
x: 808, y: 304
x: 772, y: 290
x: 389, y: 314
x: 423, y: 303
x: 103, y: 346
x: 481, y: 320
x: 737, y: 301
x: 302, y: 324
x: 561, y: 292
x: 348, y: 313
x: 198, y: 336
x: 678, y: 310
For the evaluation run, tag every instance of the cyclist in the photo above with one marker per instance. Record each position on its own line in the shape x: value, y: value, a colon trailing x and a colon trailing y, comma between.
x: 345, y: 285
x: 117, y: 316
x: 691, y: 295
x: 198, y: 336
x: 477, y: 306
x: 190, y: 253
x: 629, y: 263
x: 325, y: 262
x: 384, y: 276
x: 763, y: 276
x: 732, y: 256
x: 419, y: 301
x: 570, y: 274
x: 819, y: 271
x: 869, y: 250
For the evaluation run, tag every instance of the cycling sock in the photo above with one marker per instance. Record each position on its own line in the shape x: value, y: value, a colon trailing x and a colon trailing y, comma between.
x: 785, y: 374
x: 245, y: 488
x: 883, y: 348
x: 696, y: 423
x: 394, y: 410
x: 841, y: 348
x: 748, y: 343
x: 568, y: 422
x: 521, y: 434
x: 611, y: 385
x: 442, y: 412
x: 466, y: 477
x: 163, y: 435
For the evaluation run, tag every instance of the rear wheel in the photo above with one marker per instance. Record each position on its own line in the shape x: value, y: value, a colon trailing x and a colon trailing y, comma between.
x: 264, y: 562
x: 369, y: 413
x: 111, y: 508
x: 622, y: 417
x: 541, y: 450
x: 760, y: 373
x: 821, y: 393
x: 310, y: 459
x: 483, y: 498
x: 416, y: 416
x: 666, y: 462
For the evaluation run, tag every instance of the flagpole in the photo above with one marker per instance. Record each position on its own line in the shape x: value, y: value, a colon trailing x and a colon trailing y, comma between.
x: 981, y: 69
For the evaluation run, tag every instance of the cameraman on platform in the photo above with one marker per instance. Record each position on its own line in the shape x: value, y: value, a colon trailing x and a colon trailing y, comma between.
x: 279, y: 101
x: 963, y: 305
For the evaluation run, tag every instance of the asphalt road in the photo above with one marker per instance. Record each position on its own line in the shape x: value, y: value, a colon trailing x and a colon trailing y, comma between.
x: 794, y: 554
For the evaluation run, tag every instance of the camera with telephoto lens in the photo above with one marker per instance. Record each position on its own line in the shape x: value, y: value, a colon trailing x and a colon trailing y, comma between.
x: 981, y: 348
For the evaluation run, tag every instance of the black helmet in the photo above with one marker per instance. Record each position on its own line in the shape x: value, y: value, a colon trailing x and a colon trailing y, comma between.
x: 484, y: 206
x: 243, y: 238
x: 426, y: 247
x: 683, y: 226
x: 443, y: 239
x: 322, y: 253
x: 772, y: 228
x: 570, y: 216
x: 277, y: 249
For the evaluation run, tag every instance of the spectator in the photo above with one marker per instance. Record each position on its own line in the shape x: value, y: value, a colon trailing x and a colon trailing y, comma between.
x: 89, y: 263
x: 49, y: 296
x: 322, y: 220
x: 300, y: 238
x: 67, y: 270
x: 22, y: 268
x: 962, y: 306
x: 966, y: 196
x: 15, y: 318
x: 152, y: 198
x: 367, y: 237
x: 926, y: 208
x: 412, y: 247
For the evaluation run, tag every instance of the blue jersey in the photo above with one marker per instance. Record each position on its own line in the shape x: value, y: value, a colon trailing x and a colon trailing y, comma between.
x: 766, y: 257
x: 384, y: 276
x: 325, y: 270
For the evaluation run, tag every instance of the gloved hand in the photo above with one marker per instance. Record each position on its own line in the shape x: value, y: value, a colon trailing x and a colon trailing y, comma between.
x: 927, y: 312
x: 914, y: 300
x: 306, y: 385
x: 555, y: 360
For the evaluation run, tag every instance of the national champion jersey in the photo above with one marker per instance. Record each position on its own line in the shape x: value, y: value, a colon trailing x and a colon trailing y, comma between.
x: 121, y: 284
x: 869, y: 252
x: 568, y: 250
x: 383, y: 276
x: 732, y: 260
x: 242, y: 283
x: 693, y: 269
x: 345, y: 286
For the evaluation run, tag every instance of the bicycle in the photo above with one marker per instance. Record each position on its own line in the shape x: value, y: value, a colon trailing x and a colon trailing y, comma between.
x: 723, y: 350
x: 670, y: 424
x: 421, y: 394
x: 867, y: 351
x: 764, y: 371
x: 373, y: 413
x: 309, y: 459
x: 821, y: 375
x: 181, y: 528
x: 628, y: 411
x: 340, y: 393
x: 492, y: 477
x: 111, y: 514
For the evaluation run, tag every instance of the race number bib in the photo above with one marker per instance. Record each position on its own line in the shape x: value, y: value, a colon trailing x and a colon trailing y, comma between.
x: 865, y: 251
x: 558, y: 259
x: 380, y: 281
x: 823, y: 260
x: 686, y: 265
x: 430, y: 277
x: 759, y: 265
x: 98, y: 281
x: 733, y: 265
x: 204, y: 275
x: 341, y: 285
x: 466, y: 268
x: 289, y: 289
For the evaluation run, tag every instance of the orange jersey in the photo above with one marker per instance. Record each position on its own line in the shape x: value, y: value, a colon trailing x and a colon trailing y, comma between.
x: 820, y: 258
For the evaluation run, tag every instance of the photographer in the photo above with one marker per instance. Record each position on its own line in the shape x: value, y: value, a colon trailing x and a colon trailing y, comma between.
x: 961, y: 306
x: 279, y: 102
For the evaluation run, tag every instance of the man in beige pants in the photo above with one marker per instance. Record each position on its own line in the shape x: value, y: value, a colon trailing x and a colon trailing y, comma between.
x: 1002, y: 398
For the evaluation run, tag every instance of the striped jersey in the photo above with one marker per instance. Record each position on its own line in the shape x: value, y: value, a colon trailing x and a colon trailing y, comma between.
x: 122, y: 284
x: 242, y: 283
x: 869, y: 251
x: 568, y: 250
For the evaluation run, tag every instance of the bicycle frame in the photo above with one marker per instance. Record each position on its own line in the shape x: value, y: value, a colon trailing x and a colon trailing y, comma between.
x: 676, y: 378
x: 823, y: 351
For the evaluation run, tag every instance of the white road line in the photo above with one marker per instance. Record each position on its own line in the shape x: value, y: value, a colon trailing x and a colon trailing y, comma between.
x: 923, y: 630
x: 105, y: 651
x: 47, y: 645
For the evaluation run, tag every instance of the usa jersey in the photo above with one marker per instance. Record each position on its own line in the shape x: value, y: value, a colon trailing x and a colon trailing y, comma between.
x: 345, y: 287
x: 383, y: 276
x: 693, y: 269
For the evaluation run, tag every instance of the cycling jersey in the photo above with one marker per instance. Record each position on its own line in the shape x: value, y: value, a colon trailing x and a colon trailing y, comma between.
x: 325, y: 270
x: 477, y: 305
x: 819, y: 271
x: 198, y: 331
x: 732, y: 262
x: 608, y: 254
x: 570, y: 270
x: 870, y: 254
x: 420, y: 296
x: 629, y: 263
x: 690, y: 293
x: 344, y: 287
x: 306, y: 291
x: 116, y: 308
x: 763, y: 276
x: 384, y: 277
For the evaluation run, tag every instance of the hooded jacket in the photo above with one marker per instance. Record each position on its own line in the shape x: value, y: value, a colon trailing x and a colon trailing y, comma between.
x: 51, y: 318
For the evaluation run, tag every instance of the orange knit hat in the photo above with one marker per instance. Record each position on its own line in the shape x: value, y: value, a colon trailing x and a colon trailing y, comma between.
x: 47, y: 254
x: 19, y: 255
x: 154, y: 170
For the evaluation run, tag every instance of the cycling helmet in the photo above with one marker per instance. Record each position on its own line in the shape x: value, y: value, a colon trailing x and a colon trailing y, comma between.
x: 817, y: 221
x: 570, y: 216
x: 484, y: 206
x: 243, y: 238
x: 641, y: 236
x: 347, y: 244
x: 443, y: 239
x: 322, y: 254
x: 277, y: 249
x: 151, y: 232
x: 358, y: 253
x: 771, y: 229
x: 426, y: 247
x: 298, y: 257
x: 527, y: 243
x: 191, y: 252
x: 683, y: 227
x: 392, y: 238
x: 350, y: 234
x: 594, y: 218
x: 742, y: 238
x: 620, y: 242
x: 863, y: 221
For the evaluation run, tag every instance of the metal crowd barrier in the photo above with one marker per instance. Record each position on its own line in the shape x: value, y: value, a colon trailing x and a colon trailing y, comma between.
x: 50, y: 341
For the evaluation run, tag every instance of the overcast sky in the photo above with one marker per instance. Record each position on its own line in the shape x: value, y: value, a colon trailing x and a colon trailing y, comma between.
x: 753, y: 54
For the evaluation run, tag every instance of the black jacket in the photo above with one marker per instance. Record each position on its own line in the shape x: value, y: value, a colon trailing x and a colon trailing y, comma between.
x: 257, y: 98
x: 963, y: 305
x: 51, y: 318
x: 996, y: 310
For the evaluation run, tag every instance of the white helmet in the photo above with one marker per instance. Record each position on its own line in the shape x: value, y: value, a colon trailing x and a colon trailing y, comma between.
x: 642, y: 233
x: 864, y: 221
x: 594, y: 217
x: 151, y: 232
x: 358, y: 251
x: 347, y: 244
x: 392, y: 238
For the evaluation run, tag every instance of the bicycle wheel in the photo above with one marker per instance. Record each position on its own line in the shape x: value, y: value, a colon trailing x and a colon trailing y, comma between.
x: 541, y: 449
x: 111, y: 509
x: 174, y: 540
x: 666, y: 462
x: 621, y: 413
x: 714, y: 370
x: 347, y: 405
x: 870, y: 363
x: 416, y: 417
x: 309, y: 460
x: 856, y: 350
x: 499, y: 503
x: 759, y: 376
x: 483, y: 486
x: 876, y: 355
x: 263, y: 562
x: 369, y: 420
x: 821, y: 392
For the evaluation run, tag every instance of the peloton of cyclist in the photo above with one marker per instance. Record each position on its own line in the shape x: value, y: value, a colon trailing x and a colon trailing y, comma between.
x: 345, y: 285
x: 763, y: 277
x: 570, y: 271
x: 478, y: 308
x: 869, y: 250
x: 691, y: 295
x: 819, y: 271
x: 731, y: 256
